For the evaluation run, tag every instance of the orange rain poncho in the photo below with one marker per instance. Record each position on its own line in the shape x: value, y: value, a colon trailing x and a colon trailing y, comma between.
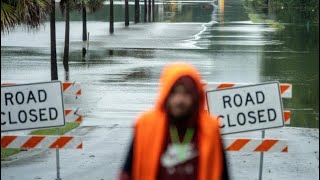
x: 149, y: 132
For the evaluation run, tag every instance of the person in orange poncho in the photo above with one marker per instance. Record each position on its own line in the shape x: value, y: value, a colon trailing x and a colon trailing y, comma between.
x: 177, y: 139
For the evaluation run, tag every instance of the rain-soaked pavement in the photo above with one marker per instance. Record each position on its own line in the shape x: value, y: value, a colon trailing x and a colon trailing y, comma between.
x: 120, y: 74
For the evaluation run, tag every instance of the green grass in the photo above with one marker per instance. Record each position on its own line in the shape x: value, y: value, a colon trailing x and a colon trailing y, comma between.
x: 8, y: 152
x: 51, y: 131
x: 277, y: 25
x: 256, y: 18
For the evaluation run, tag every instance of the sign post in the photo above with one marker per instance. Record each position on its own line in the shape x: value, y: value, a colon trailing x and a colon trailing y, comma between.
x: 58, y: 158
x: 261, y: 159
x: 247, y: 108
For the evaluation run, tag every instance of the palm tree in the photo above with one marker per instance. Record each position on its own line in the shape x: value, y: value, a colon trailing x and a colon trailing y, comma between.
x: 22, y: 12
x: 54, y: 68
x: 84, y: 30
x: 84, y: 6
x: 30, y: 14
x: 65, y: 8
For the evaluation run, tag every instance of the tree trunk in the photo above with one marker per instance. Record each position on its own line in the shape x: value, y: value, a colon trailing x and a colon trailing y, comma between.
x: 149, y: 11
x: 54, y: 68
x: 84, y: 31
x: 153, y: 12
x: 145, y: 10
x: 111, y: 29
x: 126, y: 12
x: 137, y: 11
x: 66, y: 43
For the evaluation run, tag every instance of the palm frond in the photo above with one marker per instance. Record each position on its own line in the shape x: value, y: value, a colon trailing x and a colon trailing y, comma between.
x: 94, y: 5
x: 8, y: 18
x: 90, y: 5
x: 30, y: 13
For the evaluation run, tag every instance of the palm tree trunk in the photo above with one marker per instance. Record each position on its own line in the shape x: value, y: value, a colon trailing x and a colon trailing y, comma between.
x: 54, y: 68
x: 111, y: 29
x: 66, y: 43
x: 84, y: 30
x: 126, y: 12
x: 149, y: 11
x: 137, y: 11
x: 145, y: 10
x: 153, y: 12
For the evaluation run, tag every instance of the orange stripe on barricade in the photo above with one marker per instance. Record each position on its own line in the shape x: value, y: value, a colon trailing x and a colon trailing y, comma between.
x: 72, y: 88
x: 41, y: 142
x: 6, y: 140
x: 78, y: 93
x: 287, y: 116
x: 284, y: 87
x: 32, y: 142
x: 238, y: 144
x: 66, y: 85
x: 225, y: 85
x: 265, y: 145
x: 256, y: 145
x: 73, y: 115
x: 285, y: 149
x: 80, y: 146
x: 61, y: 142
x: 79, y: 120
x: 67, y: 112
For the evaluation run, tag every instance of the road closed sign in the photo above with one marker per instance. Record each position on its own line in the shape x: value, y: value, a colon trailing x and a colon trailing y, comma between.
x: 247, y: 108
x: 32, y: 106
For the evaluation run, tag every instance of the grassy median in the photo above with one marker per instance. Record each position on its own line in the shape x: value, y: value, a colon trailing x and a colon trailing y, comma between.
x: 51, y: 131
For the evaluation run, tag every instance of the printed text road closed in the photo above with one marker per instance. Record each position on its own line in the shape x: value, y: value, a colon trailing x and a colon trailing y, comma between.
x: 247, y: 108
x: 31, y: 106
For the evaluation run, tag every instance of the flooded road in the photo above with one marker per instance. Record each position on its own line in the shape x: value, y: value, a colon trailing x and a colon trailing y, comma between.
x: 223, y: 43
x: 120, y: 74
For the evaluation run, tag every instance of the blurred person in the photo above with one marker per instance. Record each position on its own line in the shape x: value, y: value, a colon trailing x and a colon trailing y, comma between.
x: 177, y: 139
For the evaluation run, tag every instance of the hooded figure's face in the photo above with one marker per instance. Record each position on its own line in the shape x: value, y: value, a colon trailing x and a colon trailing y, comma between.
x: 180, y: 101
x: 181, y: 94
x: 183, y: 99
